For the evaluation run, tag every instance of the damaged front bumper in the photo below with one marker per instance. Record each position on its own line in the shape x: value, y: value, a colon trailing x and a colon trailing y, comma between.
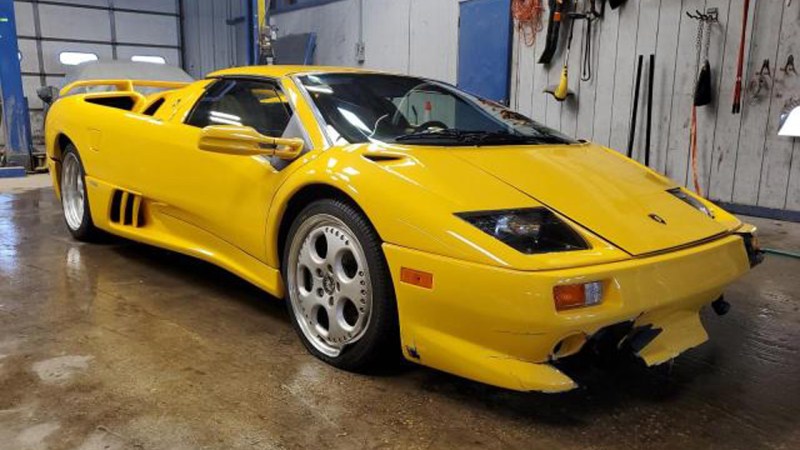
x: 500, y: 326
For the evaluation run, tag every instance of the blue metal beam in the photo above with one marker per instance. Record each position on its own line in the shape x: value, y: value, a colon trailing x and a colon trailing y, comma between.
x: 16, y: 121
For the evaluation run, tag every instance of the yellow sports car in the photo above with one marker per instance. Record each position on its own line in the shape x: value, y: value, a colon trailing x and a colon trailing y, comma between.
x: 399, y: 214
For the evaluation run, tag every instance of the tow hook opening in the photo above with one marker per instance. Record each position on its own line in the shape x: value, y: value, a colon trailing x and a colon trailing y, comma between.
x: 721, y: 306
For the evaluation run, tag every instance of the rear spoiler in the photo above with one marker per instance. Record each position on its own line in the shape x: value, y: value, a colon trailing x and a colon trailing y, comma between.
x: 123, y: 85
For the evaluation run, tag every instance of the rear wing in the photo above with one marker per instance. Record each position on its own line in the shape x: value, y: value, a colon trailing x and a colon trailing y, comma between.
x: 123, y: 85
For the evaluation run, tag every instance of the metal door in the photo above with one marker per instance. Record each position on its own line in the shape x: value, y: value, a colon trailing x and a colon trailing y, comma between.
x: 484, y: 48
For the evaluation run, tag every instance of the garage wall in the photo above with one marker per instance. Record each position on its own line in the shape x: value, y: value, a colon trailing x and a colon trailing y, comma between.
x: 407, y: 36
x: 215, y: 33
x: 109, y: 29
x: 741, y: 158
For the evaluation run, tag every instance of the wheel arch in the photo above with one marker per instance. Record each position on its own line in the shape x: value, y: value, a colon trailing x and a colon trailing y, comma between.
x: 299, y: 199
x: 60, y: 143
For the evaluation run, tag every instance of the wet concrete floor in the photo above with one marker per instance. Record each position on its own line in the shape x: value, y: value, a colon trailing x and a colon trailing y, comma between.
x: 123, y: 346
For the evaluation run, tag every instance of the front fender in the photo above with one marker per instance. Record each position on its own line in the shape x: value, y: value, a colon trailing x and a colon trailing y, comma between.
x: 411, y: 197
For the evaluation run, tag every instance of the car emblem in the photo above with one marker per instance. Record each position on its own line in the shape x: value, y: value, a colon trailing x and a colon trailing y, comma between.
x: 657, y: 218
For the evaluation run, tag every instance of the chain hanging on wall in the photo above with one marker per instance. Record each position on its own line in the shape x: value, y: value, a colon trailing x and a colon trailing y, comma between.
x: 702, y: 88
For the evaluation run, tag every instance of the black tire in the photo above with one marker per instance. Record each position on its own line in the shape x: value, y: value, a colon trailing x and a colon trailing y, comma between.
x: 379, y: 346
x: 86, y: 231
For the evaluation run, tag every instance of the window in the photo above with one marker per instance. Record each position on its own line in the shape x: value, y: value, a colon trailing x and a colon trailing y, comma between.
x: 243, y: 102
x: 75, y: 58
x: 153, y: 108
x: 149, y: 59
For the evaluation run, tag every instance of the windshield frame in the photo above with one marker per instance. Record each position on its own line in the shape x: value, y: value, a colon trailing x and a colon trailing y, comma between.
x: 472, y: 99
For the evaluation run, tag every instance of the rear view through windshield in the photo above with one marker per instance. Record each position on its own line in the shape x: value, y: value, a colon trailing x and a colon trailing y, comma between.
x: 361, y: 107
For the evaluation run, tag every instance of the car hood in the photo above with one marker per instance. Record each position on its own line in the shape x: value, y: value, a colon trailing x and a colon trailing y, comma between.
x: 621, y: 201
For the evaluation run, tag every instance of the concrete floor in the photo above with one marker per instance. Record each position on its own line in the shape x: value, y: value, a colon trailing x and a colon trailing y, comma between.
x: 123, y: 346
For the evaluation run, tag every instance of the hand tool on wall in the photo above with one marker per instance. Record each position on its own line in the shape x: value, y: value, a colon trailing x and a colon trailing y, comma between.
x: 635, y: 112
x: 760, y: 83
x: 788, y: 68
x: 737, y: 89
x: 528, y: 14
x: 558, y: 9
x: 561, y: 91
x: 590, y: 14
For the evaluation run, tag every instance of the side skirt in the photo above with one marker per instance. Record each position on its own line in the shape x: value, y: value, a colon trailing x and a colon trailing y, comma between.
x: 154, y: 225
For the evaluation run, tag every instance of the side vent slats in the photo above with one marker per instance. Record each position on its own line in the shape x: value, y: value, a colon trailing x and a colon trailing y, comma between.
x: 137, y: 203
x: 116, y: 200
x: 126, y: 209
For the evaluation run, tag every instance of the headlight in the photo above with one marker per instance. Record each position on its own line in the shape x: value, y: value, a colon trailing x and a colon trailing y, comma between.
x: 530, y: 231
x: 693, y: 202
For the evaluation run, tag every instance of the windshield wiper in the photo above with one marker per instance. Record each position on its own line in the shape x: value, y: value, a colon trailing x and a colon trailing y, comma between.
x: 447, y: 134
x: 478, y: 138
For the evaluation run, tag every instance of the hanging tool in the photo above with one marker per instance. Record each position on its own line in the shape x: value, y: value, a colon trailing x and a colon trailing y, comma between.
x: 561, y: 92
x: 528, y: 14
x: 760, y: 83
x: 703, y: 89
x: 590, y: 14
x: 635, y: 113
x: 737, y: 89
x: 789, y: 67
x: 557, y: 15
x: 650, y: 83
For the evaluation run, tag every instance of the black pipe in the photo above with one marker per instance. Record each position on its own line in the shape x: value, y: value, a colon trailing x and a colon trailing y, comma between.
x: 632, y: 133
x: 651, y: 77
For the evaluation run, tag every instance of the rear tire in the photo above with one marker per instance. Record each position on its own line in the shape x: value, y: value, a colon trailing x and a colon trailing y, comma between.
x: 338, y: 288
x: 75, y: 198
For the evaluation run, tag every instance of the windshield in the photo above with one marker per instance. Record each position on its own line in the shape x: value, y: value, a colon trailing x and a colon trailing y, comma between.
x: 360, y: 107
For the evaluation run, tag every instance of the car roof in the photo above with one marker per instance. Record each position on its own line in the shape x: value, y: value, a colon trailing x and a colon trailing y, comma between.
x: 278, y: 71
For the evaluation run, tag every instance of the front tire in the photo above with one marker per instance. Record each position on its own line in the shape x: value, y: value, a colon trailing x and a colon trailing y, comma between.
x: 74, y: 197
x: 338, y: 287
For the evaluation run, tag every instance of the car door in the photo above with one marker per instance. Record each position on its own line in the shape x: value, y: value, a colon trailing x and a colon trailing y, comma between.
x: 226, y: 195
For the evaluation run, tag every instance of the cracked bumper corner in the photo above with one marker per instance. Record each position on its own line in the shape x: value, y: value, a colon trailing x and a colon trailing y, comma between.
x: 680, y: 331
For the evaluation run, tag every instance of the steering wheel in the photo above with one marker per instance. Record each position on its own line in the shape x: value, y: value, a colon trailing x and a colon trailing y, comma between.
x: 431, y: 124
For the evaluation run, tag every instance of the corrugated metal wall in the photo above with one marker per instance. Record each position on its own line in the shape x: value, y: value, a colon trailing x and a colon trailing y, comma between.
x: 215, y: 34
x: 741, y: 157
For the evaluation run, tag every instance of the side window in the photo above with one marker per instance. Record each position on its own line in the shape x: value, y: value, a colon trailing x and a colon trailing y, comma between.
x: 243, y: 102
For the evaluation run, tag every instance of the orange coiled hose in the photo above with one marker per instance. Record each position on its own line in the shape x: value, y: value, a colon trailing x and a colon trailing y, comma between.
x: 528, y: 14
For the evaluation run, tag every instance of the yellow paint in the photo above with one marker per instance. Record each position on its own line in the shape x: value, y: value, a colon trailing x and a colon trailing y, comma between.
x: 489, y: 313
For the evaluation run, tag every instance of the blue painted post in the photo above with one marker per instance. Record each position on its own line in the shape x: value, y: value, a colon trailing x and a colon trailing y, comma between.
x: 16, y: 121
x: 255, y: 33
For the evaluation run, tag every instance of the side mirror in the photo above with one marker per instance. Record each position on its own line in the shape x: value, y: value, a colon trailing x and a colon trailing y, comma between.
x: 790, y: 123
x: 48, y: 94
x: 245, y: 141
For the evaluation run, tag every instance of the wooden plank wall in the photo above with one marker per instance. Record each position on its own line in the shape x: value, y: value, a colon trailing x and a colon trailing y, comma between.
x: 741, y: 157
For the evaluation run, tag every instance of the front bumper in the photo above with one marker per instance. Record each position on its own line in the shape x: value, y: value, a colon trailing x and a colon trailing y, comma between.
x: 500, y: 326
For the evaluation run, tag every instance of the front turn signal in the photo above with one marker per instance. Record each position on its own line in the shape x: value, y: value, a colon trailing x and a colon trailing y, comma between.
x: 570, y: 296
